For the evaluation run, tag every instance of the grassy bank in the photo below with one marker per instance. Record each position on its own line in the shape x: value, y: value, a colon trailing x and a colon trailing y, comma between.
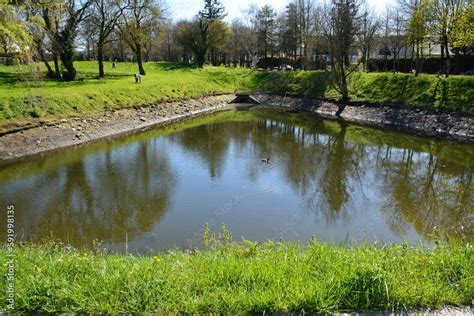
x: 431, y: 91
x: 25, y: 94
x: 238, y: 278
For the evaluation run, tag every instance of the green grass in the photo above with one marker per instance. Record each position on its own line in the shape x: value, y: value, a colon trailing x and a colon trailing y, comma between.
x: 454, y: 93
x: 241, y: 278
x: 26, y: 95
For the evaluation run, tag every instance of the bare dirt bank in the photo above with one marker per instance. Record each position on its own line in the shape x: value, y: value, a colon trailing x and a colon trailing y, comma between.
x: 47, y: 137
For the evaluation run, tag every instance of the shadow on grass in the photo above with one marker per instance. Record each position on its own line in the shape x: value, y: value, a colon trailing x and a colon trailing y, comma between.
x: 10, y: 78
x: 172, y: 66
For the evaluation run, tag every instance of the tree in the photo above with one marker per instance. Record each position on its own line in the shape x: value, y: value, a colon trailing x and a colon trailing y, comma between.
x: 341, y: 28
x: 418, y: 30
x: 369, y: 26
x: 304, y: 23
x: 200, y: 36
x: 445, y: 13
x: 462, y: 33
x: 13, y: 33
x: 393, y: 37
x: 213, y: 10
x: 104, y: 17
x: 138, y: 22
x: 206, y: 32
x: 60, y: 21
x: 266, y: 29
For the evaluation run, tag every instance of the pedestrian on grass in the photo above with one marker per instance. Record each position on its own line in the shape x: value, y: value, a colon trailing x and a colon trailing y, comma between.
x: 138, y: 78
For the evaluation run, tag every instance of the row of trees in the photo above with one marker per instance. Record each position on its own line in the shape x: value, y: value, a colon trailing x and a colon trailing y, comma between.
x: 54, y: 30
x: 340, y: 34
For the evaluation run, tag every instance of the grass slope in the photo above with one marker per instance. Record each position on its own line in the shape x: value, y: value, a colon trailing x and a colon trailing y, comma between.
x: 241, y: 278
x: 453, y: 93
x: 24, y: 94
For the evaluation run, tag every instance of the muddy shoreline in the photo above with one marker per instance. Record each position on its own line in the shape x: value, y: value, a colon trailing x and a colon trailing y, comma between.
x: 23, y: 144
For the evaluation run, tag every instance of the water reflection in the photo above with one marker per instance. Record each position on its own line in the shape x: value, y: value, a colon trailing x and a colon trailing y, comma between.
x: 329, y: 179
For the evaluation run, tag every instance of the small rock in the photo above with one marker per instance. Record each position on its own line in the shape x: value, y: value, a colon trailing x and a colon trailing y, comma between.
x: 100, y: 120
x: 10, y: 154
x: 63, y: 121
x: 84, y: 121
x: 78, y: 135
x: 142, y: 119
x: 79, y: 128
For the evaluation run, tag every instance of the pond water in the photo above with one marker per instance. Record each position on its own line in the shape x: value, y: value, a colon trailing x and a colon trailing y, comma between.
x: 338, y: 182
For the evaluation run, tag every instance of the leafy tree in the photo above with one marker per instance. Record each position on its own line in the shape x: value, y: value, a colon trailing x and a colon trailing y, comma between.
x: 14, y: 35
x: 462, y: 32
x: 213, y: 10
x: 60, y: 21
x: 139, y: 22
x: 418, y: 30
x: 206, y: 32
x: 266, y: 29
x: 200, y: 37
x: 445, y: 14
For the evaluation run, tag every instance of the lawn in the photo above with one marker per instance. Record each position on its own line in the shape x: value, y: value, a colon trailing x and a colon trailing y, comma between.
x: 229, y: 277
x: 25, y: 94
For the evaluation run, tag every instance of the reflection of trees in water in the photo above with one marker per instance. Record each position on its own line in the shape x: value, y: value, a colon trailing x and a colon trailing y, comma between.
x: 208, y: 142
x: 427, y: 192
x: 126, y: 189
x: 105, y: 196
x: 329, y: 172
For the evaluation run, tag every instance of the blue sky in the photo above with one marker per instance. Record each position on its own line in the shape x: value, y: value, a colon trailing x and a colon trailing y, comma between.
x: 188, y: 8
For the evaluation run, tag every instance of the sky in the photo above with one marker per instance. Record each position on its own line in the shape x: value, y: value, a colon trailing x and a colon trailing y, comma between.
x: 186, y: 9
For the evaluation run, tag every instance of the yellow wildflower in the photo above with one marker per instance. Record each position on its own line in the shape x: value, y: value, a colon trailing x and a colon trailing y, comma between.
x: 157, y: 259
x: 39, y: 270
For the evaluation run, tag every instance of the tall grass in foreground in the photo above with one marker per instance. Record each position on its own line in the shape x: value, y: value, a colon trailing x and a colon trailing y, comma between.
x: 241, y: 278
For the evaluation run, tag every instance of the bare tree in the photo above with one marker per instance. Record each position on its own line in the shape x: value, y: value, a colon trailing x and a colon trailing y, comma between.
x: 368, y: 28
x: 105, y: 16
x: 342, y: 26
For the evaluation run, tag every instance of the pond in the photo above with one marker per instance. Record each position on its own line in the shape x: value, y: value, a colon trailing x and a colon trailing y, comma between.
x: 338, y: 182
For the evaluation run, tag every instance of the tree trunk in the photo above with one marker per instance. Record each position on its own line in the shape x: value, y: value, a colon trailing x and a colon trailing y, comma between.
x: 448, y: 61
x: 200, y: 58
x: 343, y: 88
x: 57, y: 72
x: 441, y: 66
x: 100, y: 59
x: 138, y: 54
x: 50, y: 73
x: 67, y: 54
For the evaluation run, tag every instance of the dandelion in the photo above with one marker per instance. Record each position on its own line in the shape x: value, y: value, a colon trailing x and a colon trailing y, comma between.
x: 157, y: 259
x: 39, y: 270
